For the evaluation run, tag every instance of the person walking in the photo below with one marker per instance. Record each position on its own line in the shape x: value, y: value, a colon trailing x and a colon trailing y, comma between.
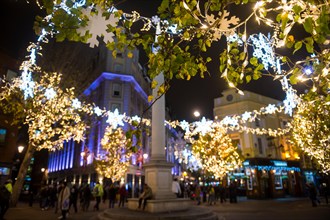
x: 146, y: 195
x: 98, y: 193
x: 112, y: 196
x: 176, y: 188
x: 312, y: 193
x: 5, y: 195
x: 211, y: 198
x: 64, y: 200
x: 74, y: 198
x: 198, y: 194
x: 87, y: 196
x: 122, y: 195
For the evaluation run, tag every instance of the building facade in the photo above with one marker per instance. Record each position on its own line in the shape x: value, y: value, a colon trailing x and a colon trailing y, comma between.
x: 122, y: 85
x: 272, y: 166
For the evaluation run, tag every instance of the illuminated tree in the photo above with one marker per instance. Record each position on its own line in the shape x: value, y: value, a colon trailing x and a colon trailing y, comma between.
x: 190, y: 30
x: 114, y: 162
x: 216, y: 152
x: 311, y: 131
x: 53, y: 116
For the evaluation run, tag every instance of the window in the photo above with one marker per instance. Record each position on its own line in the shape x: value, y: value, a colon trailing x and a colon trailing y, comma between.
x: 260, y: 148
x: 257, y: 122
x: 116, y: 90
x: 118, y: 68
x: 3, y: 133
x: 237, y: 143
x: 278, y: 181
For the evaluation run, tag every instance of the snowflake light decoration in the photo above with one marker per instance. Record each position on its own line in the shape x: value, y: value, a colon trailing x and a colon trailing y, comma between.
x: 223, y: 26
x: 115, y: 119
x: 246, y: 116
x: 270, y: 109
x: 76, y: 103
x: 27, y: 84
x: 97, y: 26
x: 50, y: 93
x: 203, y: 126
x: 263, y: 50
x: 98, y: 111
x: 184, y: 125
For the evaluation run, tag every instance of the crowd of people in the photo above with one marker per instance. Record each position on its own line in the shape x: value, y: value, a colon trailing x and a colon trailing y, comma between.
x: 67, y: 198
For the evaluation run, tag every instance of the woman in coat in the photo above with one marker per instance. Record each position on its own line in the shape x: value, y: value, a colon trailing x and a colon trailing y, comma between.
x: 64, y: 200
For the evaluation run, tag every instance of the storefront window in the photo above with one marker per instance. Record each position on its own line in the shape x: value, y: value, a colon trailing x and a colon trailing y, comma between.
x: 278, y: 182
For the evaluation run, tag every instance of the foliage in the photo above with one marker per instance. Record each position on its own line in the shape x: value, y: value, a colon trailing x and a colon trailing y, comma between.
x: 311, y: 130
x: 302, y: 27
x: 216, y: 152
x: 116, y: 158
x: 51, y: 121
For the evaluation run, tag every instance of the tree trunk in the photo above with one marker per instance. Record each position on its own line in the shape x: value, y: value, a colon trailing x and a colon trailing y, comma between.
x: 21, y: 175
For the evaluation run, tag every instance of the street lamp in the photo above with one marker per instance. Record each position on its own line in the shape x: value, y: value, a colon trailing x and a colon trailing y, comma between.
x: 197, y: 114
x: 20, y: 148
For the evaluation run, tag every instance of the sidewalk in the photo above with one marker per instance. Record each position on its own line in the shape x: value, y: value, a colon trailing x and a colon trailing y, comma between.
x: 283, y: 208
x: 23, y: 212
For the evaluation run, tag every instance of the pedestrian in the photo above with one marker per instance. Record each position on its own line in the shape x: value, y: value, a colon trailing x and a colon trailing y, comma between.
x: 53, y: 196
x: 98, y: 193
x: 44, y: 197
x: 5, y: 195
x: 122, y: 195
x: 198, y: 194
x: 324, y: 190
x: 222, y: 194
x: 146, y: 195
x: 64, y: 200
x: 74, y: 198
x: 112, y: 196
x: 232, y: 193
x: 176, y: 189
x: 87, y: 196
x: 211, y: 195
x: 312, y: 192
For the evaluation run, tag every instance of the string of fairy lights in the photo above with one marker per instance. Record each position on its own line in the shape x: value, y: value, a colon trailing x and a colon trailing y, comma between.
x: 263, y: 49
x: 259, y: 42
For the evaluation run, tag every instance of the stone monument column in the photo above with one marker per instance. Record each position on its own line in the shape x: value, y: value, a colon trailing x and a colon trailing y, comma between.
x: 158, y: 171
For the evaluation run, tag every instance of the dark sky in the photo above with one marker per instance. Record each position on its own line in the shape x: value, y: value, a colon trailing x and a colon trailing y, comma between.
x: 183, y: 98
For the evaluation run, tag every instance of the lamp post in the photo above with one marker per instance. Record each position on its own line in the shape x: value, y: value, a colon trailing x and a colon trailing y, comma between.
x: 197, y: 114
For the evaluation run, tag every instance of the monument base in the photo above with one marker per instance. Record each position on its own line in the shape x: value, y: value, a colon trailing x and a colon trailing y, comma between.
x: 193, y: 212
x: 157, y: 206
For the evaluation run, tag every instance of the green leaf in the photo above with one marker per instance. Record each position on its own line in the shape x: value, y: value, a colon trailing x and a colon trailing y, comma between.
x: 248, y: 78
x: 254, y: 61
x: 308, y: 25
x: 297, y: 46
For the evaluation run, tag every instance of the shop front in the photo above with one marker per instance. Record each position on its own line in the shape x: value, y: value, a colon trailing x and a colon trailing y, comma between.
x: 267, y: 178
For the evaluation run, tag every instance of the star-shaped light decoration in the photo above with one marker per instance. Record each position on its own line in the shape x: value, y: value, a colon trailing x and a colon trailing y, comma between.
x: 76, y: 103
x: 184, y: 125
x: 203, y: 126
x: 246, y: 116
x: 50, y: 93
x: 136, y: 118
x: 270, y: 109
x: 115, y: 119
x: 98, y: 111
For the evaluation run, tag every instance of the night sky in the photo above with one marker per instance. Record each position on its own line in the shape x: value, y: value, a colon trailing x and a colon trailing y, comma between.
x: 184, y: 97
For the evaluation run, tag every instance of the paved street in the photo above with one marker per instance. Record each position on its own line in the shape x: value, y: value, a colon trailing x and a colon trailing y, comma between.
x: 288, y: 208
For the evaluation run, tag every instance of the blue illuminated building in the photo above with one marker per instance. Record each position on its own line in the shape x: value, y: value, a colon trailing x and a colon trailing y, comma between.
x: 121, y: 84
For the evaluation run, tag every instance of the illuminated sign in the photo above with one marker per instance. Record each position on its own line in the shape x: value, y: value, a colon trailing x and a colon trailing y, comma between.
x: 279, y: 163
